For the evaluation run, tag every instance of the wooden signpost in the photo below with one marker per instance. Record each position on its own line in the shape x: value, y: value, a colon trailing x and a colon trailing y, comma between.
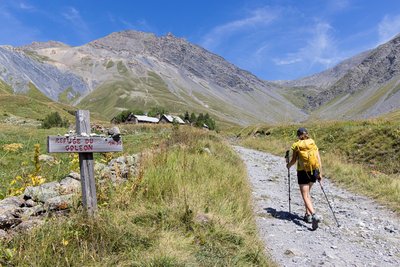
x: 85, y: 145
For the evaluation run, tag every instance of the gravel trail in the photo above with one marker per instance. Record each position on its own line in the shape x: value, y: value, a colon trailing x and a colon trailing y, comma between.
x: 369, y: 234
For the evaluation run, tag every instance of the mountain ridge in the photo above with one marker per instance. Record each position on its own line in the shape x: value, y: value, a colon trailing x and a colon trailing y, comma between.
x: 189, y: 72
x: 131, y: 69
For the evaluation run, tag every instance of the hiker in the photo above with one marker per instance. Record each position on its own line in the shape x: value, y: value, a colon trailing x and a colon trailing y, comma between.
x: 305, y: 152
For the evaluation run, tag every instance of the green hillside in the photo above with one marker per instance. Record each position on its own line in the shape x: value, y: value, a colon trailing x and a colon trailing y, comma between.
x: 354, y: 105
x: 145, y: 93
x: 35, y: 105
x: 65, y: 97
x: 394, y: 116
x: 26, y: 107
x: 5, y: 88
x: 36, y: 94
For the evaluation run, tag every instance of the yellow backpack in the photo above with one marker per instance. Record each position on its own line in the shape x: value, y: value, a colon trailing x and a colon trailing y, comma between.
x: 308, y: 154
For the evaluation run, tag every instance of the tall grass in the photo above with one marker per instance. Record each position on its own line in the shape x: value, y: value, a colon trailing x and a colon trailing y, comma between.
x: 362, y: 156
x: 189, y: 206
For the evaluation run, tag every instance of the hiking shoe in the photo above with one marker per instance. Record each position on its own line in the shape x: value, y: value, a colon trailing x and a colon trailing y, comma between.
x: 308, y: 218
x: 315, y: 220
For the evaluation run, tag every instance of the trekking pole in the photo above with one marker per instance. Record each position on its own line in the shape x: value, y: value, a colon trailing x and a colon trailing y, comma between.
x: 334, y: 216
x: 288, y: 173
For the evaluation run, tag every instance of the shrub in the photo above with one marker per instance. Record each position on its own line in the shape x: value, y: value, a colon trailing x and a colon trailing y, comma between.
x: 54, y: 120
x: 123, y: 115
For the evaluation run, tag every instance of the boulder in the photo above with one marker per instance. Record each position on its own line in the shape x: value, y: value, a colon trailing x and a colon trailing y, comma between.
x: 74, y: 175
x: 26, y: 212
x: 42, y: 192
x: 8, y: 208
x: 30, y: 203
x: 12, y: 201
x: 69, y: 185
x: 59, y: 202
x: 99, y: 167
x: 7, y: 218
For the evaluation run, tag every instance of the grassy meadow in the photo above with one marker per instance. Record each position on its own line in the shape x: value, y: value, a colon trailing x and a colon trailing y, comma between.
x: 361, y: 155
x: 190, y: 205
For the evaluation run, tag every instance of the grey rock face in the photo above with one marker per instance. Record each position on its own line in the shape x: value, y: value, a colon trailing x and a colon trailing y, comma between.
x: 185, y: 56
x: 328, y: 77
x: 377, y: 67
x: 18, y: 70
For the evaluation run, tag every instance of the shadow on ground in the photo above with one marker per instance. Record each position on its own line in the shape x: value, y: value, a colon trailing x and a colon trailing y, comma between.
x: 285, y: 215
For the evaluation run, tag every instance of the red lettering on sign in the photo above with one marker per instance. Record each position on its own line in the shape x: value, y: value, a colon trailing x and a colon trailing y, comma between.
x: 114, y: 143
x: 89, y: 141
x: 79, y: 148
x: 88, y: 147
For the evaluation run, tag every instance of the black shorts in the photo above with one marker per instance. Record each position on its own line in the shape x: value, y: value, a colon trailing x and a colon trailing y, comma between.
x: 304, y: 177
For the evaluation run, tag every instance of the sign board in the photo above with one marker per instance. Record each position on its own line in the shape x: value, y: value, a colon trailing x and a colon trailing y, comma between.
x: 82, y: 144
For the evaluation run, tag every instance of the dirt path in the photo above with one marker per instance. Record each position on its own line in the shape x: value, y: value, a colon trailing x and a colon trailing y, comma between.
x: 369, y: 234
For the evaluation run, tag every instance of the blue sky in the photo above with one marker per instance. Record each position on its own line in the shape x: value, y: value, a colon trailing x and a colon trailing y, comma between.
x: 273, y: 39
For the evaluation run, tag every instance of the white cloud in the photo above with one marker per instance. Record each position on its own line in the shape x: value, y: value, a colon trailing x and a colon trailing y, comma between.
x: 256, y: 18
x: 139, y: 25
x: 25, y: 6
x: 73, y: 16
x: 280, y: 62
x: 388, y: 28
x: 319, y: 49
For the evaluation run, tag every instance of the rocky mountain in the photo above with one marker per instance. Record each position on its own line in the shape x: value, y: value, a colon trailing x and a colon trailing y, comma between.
x: 137, y: 70
x: 328, y: 77
x: 133, y: 69
x: 18, y: 69
x: 366, y: 85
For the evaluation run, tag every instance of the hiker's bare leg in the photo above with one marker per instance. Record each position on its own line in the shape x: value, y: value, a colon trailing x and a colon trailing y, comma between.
x: 309, y: 196
x: 305, y: 193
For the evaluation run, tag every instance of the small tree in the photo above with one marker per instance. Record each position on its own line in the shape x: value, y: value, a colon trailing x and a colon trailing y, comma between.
x: 54, y: 120
x: 186, y: 117
x: 192, y: 118
x: 153, y: 112
x: 200, y: 120
x: 123, y: 115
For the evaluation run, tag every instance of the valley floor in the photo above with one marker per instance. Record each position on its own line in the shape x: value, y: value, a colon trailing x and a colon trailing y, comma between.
x: 369, y: 234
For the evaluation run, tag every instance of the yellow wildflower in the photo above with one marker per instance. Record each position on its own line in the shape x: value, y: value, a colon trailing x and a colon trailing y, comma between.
x: 14, y: 147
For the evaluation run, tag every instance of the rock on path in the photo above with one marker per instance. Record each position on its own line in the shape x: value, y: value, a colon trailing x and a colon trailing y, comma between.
x: 369, y: 234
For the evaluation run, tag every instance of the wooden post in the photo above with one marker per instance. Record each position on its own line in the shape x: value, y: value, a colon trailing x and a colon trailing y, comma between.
x: 85, y: 144
x: 89, y: 198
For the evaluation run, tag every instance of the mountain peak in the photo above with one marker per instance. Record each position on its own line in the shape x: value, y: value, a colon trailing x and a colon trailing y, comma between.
x: 42, y: 45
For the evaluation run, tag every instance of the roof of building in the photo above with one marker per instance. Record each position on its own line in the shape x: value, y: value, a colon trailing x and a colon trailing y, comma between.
x: 143, y: 118
x: 171, y: 118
